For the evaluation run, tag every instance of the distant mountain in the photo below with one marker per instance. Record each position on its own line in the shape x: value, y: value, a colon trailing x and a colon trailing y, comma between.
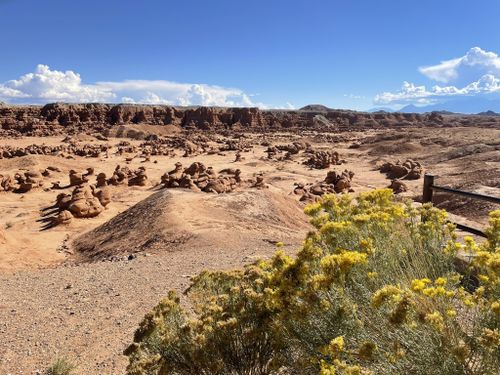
x: 411, y: 108
x: 468, y: 104
x: 488, y: 113
x: 315, y: 108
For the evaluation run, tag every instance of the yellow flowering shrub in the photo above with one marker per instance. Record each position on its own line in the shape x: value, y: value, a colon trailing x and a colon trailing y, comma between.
x: 373, y: 290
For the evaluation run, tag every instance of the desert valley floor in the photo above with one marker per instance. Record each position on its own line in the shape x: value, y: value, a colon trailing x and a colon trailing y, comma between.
x: 77, y: 287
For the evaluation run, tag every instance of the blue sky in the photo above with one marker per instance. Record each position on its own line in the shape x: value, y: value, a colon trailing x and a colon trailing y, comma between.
x: 273, y: 53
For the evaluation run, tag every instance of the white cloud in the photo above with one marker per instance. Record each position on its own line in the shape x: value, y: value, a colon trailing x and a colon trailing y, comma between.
x: 475, y: 73
x: 472, y: 66
x: 487, y: 84
x: 443, y: 72
x: 7, y: 92
x: 46, y: 85
x: 167, y: 92
x: 408, y: 92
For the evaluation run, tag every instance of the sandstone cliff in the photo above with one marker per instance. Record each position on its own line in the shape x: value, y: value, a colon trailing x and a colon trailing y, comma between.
x: 59, y: 118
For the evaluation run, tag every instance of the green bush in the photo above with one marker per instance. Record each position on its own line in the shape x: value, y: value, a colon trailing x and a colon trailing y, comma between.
x: 372, y: 291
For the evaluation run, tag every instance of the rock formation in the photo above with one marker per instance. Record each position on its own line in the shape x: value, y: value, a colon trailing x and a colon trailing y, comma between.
x: 198, y: 177
x: 57, y: 118
x: 21, y: 182
x: 323, y: 159
x: 333, y: 183
x: 398, y: 186
x: 84, y: 204
x: 85, y: 201
x: 408, y: 170
x: 63, y: 150
x: 64, y: 217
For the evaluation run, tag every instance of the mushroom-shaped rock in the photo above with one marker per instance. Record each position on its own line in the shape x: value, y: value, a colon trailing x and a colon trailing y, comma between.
x: 84, y: 204
x: 101, y: 180
x: 64, y: 217
x: 104, y: 196
x: 76, y: 178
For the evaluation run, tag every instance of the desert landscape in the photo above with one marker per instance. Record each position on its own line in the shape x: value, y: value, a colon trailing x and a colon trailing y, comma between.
x: 107, y: 207
x: 249, y: 187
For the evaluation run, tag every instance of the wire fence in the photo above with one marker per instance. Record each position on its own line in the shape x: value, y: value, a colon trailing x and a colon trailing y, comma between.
x: 430, y: 187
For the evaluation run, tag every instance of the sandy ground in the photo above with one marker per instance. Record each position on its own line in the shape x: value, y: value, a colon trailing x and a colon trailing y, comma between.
x: 54, y: 305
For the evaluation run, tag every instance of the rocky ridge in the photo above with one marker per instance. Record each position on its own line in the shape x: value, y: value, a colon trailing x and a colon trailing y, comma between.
x: 59, y: 118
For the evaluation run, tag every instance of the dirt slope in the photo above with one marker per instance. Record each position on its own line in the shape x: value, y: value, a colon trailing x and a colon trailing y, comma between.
x: 173, y: 220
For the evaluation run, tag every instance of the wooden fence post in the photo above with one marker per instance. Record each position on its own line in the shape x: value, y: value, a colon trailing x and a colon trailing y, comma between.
x: 428, y: 183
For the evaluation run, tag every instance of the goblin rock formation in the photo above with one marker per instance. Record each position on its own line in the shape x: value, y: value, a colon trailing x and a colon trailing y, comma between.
x: 323, y: 159
x: 198, y: 177
x: 408, y: 170
x: 87, y: 150
x: 21, y: 182
x: 85, y: 201
x: 333, y: 183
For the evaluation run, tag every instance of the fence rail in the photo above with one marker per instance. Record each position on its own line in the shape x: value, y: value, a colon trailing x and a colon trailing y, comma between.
x: 430, y: 187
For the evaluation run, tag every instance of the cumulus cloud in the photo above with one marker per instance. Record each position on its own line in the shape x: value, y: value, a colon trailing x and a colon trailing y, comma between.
x: 408, y: 93
x: 167, y: 92
x: 7, y: 92
x: 475, y: 73
x: 471, y: 67
x: 45, y: 85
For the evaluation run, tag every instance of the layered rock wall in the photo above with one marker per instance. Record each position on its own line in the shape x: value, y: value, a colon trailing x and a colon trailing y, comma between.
x: 59, y: 118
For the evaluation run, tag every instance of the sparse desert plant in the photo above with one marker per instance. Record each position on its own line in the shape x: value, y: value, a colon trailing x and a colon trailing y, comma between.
x: 372, y: 291
x: 62, y: 366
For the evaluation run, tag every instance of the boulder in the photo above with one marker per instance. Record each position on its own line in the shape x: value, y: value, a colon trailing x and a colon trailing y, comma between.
x: 398, y: 186
x: 408, y: 170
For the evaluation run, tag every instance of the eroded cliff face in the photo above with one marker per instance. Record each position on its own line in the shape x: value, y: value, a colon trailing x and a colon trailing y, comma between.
x: 57, y: 118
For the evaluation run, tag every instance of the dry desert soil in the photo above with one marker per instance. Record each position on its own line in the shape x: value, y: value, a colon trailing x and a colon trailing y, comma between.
x: 79, y: 289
